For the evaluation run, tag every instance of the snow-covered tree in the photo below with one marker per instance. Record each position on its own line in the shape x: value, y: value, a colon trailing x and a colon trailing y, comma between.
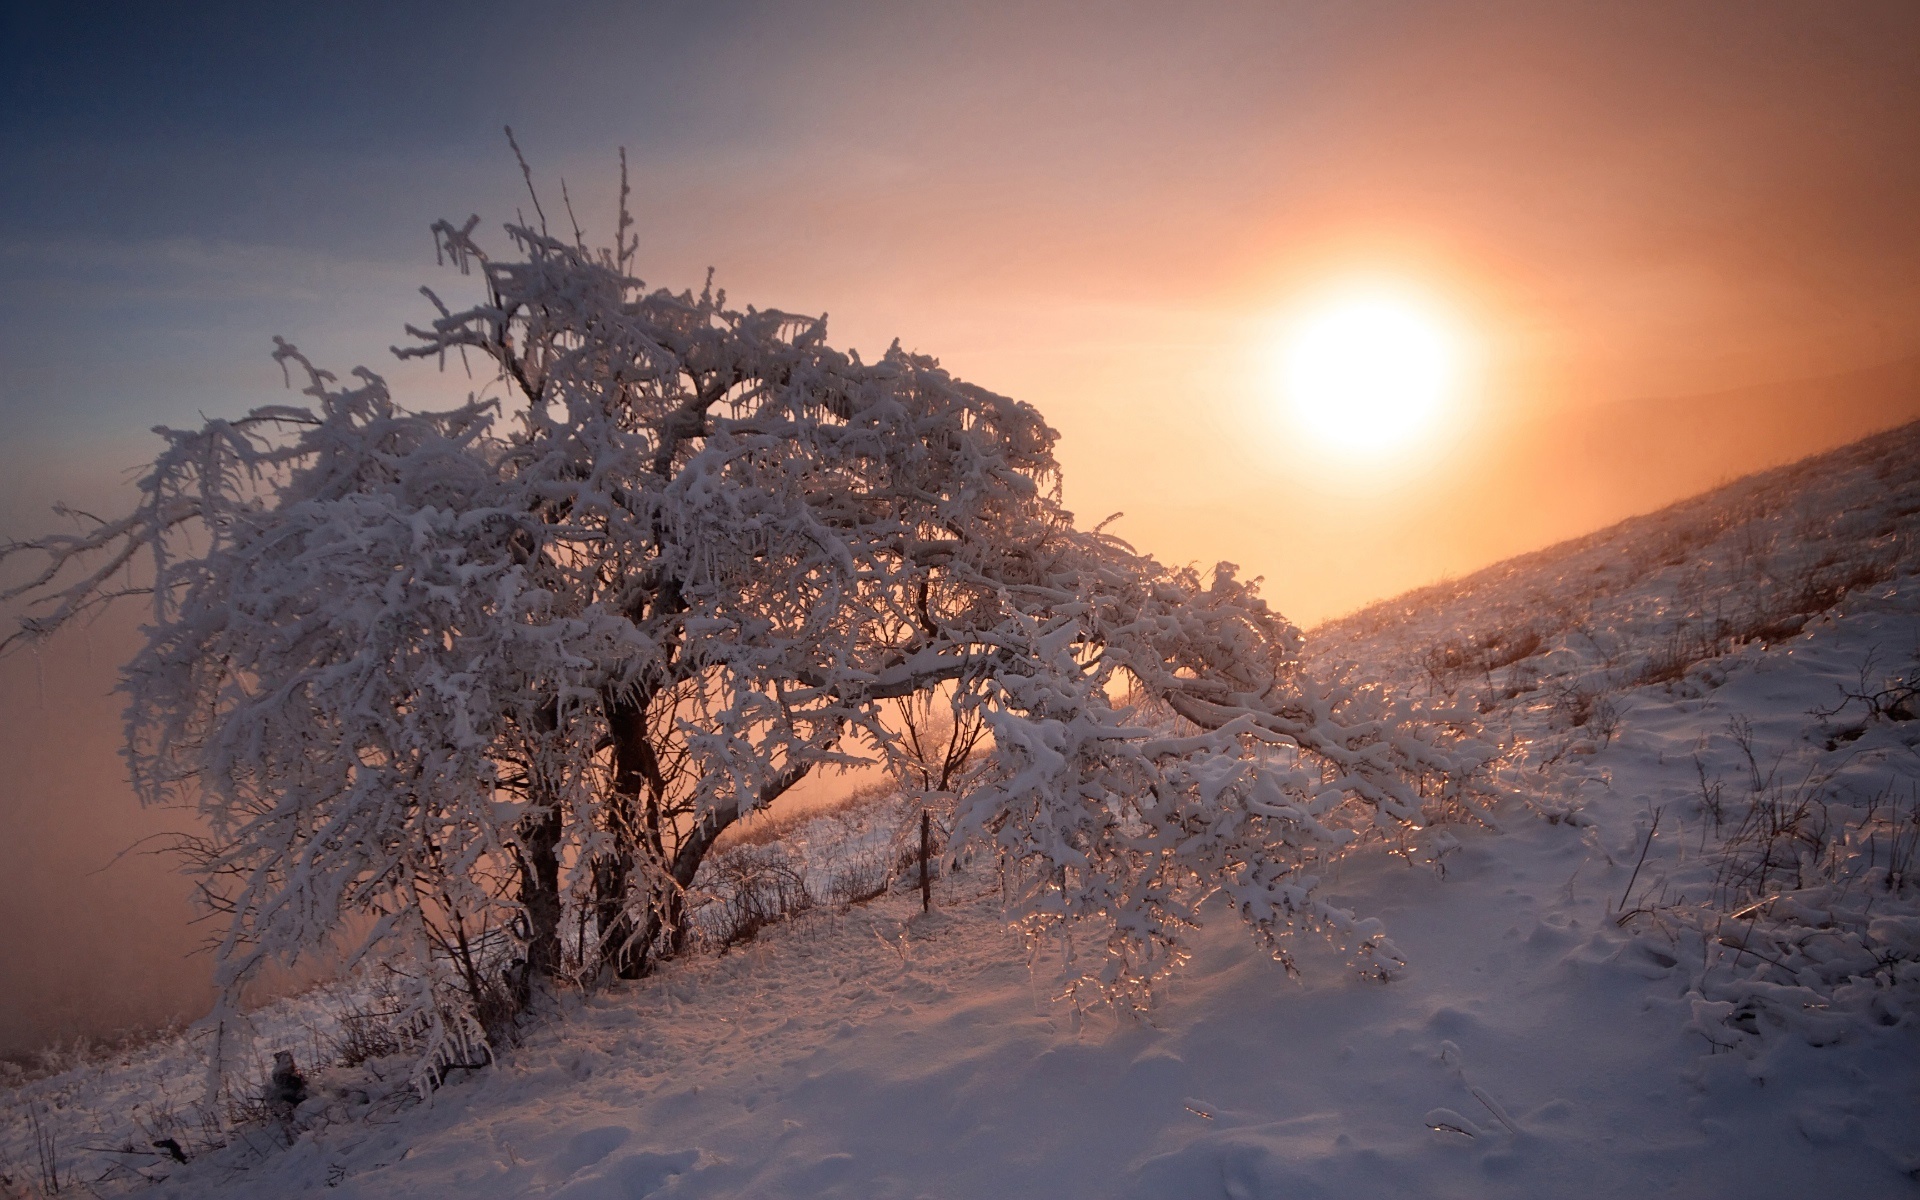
x: 481, y: 684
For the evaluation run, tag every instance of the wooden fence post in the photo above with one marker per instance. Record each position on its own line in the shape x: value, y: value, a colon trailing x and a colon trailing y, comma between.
x: 926, y: 884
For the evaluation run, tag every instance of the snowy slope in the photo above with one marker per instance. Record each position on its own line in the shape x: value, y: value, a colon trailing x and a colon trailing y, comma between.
x: 1684, y: 963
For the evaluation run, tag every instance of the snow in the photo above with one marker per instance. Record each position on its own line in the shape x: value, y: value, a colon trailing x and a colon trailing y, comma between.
x: 1580, y: 1012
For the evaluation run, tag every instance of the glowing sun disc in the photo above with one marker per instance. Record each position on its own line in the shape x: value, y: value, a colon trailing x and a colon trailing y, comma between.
x: 1368, y: 371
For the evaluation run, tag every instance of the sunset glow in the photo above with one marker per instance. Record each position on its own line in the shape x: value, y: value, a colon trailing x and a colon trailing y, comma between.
x: 487, y: 537
x: 1369, y: 371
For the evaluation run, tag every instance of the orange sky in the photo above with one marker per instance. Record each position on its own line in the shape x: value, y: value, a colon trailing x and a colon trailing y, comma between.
x: 1096, y: 209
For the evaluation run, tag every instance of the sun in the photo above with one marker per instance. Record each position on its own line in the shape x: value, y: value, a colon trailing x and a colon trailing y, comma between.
x: 1368, y: 371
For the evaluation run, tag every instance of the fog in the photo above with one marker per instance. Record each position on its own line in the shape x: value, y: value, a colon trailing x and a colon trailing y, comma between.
x: 94, y: 941
x: 1679, y: 236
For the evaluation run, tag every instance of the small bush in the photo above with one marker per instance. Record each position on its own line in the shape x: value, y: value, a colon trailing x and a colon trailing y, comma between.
x: 750, y: 887
x: 1675, y: 654
x: 860, y: 882
x: 1446, y: 663
x: 369, y: 1032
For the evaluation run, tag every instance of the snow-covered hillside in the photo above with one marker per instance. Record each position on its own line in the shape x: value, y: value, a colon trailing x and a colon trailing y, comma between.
x: 1685, y: 962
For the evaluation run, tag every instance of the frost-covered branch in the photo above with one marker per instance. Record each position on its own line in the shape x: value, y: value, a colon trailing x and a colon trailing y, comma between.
x: 487, y: 683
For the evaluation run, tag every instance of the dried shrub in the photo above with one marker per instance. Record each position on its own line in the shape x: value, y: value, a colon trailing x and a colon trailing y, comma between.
x: 369, y: 1032
x: 749, y: 888
x: 860, y: 881
x: 1446, y: 663
x: 1673, y: 655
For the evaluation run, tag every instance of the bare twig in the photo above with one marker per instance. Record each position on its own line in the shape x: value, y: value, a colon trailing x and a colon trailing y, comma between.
x: 1644, y: 847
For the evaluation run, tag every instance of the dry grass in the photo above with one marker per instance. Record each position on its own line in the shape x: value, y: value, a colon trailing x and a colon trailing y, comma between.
x: 763, y: 828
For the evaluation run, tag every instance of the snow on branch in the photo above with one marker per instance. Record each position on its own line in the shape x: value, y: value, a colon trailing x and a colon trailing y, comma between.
x: 486, y: 683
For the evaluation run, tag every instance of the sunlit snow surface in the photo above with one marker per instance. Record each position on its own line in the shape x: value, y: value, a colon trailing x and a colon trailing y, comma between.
x: 1568, y: 1034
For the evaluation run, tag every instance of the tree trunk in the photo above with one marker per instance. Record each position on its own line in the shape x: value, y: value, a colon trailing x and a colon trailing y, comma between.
x: 540, y: 889
x: 539, y: 860
x: 693, y: 852
x: 622, y: 946
x: 638, y: 780
x: 926, y: 881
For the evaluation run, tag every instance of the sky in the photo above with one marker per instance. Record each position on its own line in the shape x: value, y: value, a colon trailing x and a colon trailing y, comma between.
x: 1663, y: 231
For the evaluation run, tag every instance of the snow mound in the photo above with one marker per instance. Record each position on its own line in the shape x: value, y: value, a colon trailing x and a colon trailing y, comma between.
x: 1683, y: 964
